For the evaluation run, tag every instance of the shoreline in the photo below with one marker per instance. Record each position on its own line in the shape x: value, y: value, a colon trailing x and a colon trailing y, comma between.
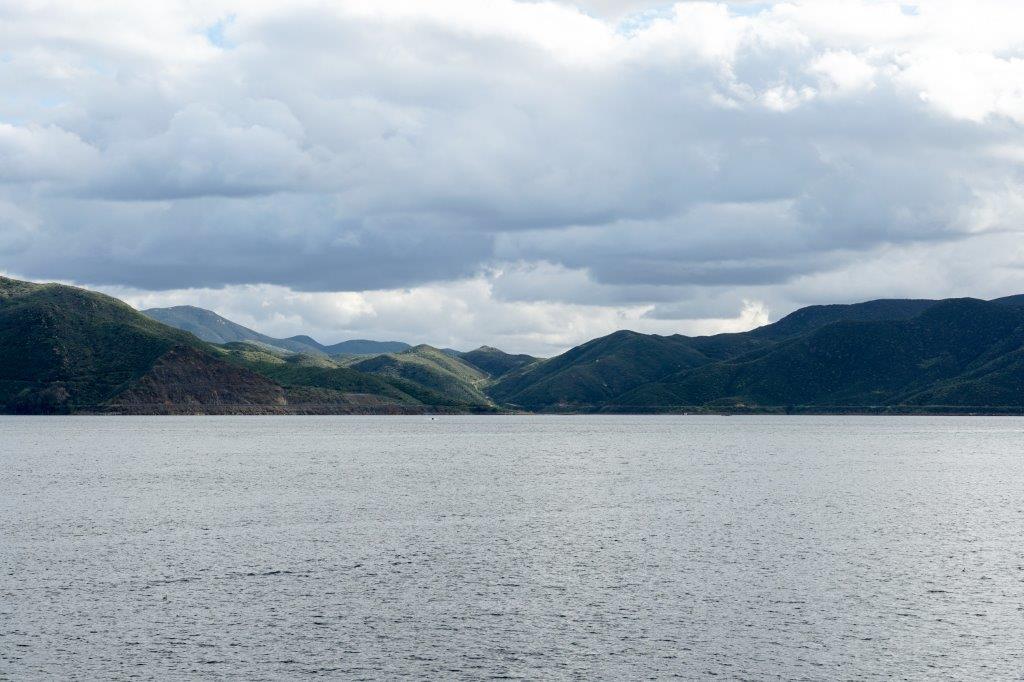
x: 427, y: 411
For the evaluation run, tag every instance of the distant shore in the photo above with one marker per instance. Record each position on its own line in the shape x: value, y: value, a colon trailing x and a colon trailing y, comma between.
x: 399, y: 410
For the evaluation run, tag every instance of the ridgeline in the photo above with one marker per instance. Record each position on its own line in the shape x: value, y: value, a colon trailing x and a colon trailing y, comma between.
x: 68, y: 350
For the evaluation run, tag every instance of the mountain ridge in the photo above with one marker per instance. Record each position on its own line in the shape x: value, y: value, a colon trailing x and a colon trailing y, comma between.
x: 215, y: 328
x: 68, y: 350
x: 718, y: 366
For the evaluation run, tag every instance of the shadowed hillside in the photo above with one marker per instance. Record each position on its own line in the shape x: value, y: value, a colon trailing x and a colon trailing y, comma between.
x: 961, y: 353
x: 496, y: 363
x: 69, y: 350
x: 597, y: 371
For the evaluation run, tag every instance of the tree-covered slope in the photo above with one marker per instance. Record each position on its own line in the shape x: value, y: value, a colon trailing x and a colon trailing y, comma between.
x: 365, y: 347
x: 814, y: 317
x: 939, y: 355
x: 66, y: 348
x: 496, y: 363
x: 858, y: 354
x: 597, y: 371
x: 1015, y: 301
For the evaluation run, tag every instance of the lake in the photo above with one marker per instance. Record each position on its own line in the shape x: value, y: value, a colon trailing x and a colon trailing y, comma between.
x: 526, y: 547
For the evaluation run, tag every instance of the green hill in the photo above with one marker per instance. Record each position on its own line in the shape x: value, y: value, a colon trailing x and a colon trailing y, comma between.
x: 496, y: 363
x: 597, y: 371
x: 211, y: 327
x: 364, y: 347
x: 1015, y: 301
x: 433, y: 370
x: 948, y: 353
x: 957, y: 352
x: 813, y: 317
x: 313, y: 372
x: 67, y: 349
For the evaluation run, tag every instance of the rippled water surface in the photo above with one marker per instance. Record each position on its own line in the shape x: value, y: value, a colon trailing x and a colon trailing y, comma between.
x: 535, y: 547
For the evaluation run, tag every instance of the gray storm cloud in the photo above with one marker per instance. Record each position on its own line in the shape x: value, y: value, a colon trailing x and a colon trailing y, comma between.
x: 645, y: 151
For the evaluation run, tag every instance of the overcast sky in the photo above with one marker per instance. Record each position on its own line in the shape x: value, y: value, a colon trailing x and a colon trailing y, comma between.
x: 523, y: 174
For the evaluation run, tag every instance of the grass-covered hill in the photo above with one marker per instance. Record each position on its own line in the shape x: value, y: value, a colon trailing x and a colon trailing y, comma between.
x: 496, y: 363
x: 854, y: 363
x: 67, y: 350
x: 312, y: 376
x: 597, y: 371
x: 813, y: 317
x: 434, y: 370
x: 902, y: 355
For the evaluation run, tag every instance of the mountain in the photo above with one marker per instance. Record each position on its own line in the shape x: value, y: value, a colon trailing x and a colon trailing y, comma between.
x: 317, y: 378
x: 933, y: 356
x: 211, y: 327
x: 433, y: 370
x: 1015, y: 301
x: 496, y: 363
x: 67, y: 350
x: 597, y: 371
x: 365, y: 347
x: 903, y: 354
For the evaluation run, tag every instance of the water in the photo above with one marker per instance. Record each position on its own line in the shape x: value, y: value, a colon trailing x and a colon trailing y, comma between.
x: 534, y: 547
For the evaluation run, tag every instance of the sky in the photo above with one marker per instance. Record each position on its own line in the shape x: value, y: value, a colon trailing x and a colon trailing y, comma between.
x: 523, y: 174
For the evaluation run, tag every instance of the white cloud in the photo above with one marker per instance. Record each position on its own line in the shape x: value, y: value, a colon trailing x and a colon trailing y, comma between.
x: 42, y: 153
x: 462, y: 315
x: 844, y: 71
x: 557, y: 168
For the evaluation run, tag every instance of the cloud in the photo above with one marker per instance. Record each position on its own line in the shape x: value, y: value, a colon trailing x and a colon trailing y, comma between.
x: 36, y: 153
x: 462, y: 315
x: 202, y: 155
x: 664, y: 159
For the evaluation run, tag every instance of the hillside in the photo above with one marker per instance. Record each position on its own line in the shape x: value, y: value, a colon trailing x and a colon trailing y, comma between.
x: 496, y: 363
x: 597, y: 371
x: 213, y: 328
x: 319, y: 376
x: 433, y: 370
x: 361, y: 347
x: 813, y: 317
x: 69, y: 350
x: 959, y: 352
x: 953, y: 354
